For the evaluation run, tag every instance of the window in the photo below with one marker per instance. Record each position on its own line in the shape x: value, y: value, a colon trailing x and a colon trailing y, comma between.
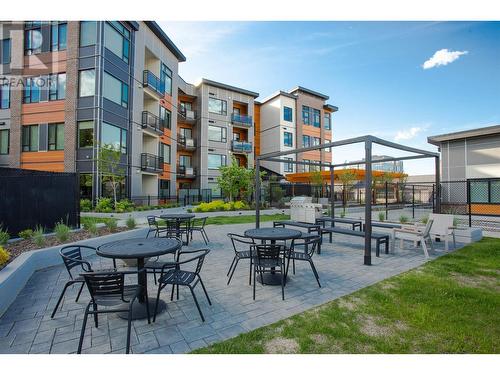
x: 166, y: 117
x: 4, y: 142
x: 287, y: 114
x: 115, y: 137
x: 288, y: 139
x: 58, y: 36
x: 4, y: 96
x: 165, y: 153
x: 33, y: 37
x: 316, y: 141
x: 328, y: 119
x: 215, y: 161
x: 306, y: 167
x: 86, y: 134
x: 217, y: 133
x: 217, y: 106
x: 316, y: 118
x: 216, y: 190
x: 5, y: 51
x: 116, y: 39
x: 88, y: 33
x: 288, y: 166
x: 86, y: 185
x: 306, y: 141
x: 30, y: 138
x: 186, y: 106
x: 86, y: 83
x: 115, y: 90
x: 186, y: 133
x: 164, y: 188
x: 236, y: 111
x: 32, y: 90
x: 306, y: 115
x: 165, y: 79
x: 57, y: 86
x: 56, y: 137
x: 185, y: 161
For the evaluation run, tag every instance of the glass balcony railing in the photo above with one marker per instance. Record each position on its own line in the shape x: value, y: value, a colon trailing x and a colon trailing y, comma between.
x: 241, y: 120
x: 186, y: 143
x: 187, y: 115
x: 151, y: 163
x: 152, y: 122
x: 244, y: 147
x: 186, y: 172
x: 153, y: 82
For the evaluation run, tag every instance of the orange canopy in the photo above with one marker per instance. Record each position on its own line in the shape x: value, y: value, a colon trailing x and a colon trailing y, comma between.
x: 359, y: 173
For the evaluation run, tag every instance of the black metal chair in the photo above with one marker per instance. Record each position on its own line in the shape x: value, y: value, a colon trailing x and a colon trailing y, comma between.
x: 198, y: 225
x: 154, y: 227
x: 158, y: 265
x: 72, y: 257
x: 269, y: 258
x: 177, y: 276
x: 309, y: 246
x: 108, y: 289
x: 247, y: 243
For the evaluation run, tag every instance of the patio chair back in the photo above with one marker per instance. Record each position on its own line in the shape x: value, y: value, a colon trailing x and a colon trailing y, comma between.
x: 241, y: 243
x: 153, y: 224
x: 72, y: 257
x: 200, y: 258
x: 104, y: 284
x: 442, y: 223
x: 309, y: 244
x: 199, y: 222
x: 268, y: 254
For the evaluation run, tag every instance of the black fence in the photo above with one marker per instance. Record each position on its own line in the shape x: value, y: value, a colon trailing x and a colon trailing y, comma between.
x: 185, y: 197
x: 32, y: 198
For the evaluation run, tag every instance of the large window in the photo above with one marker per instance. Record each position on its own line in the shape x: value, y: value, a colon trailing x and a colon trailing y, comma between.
x: 288, y: 166
x: 166, y: 117
x: 4, y: 142
x: 217, y: 133
x: 165, y: 152
x: 287, y: 114
x: 328, y: 121
x: 217, y: 106
x: 485, y: 191
x: 32, y: 90
x: 185, y: 161
x: 288, y: 139
x: 57, y: 86
x: 33, y: 37
x: 316, y: 118
x: 215, y: 161
x: 316, y: 141
x: 86, y: 134
x: 56, y: 137
x: 88, y: 33
x: 30, y: 138
x: 58, y: 36
x: 164, y: 188
x: 5, y: 51
x: 166, y: 79
x: 115, y: 90
x: 115, y: 137
x: 116, y: 39
x: 4, y: 96
x: 86, y: 83
x: 306, y: 141
x: 306, y: 115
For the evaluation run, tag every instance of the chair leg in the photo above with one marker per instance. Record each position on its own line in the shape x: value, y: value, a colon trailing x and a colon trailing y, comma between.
x: 231, y: 266
x: 254, y: 281
x: 129, y: 327
x: 293, y: 266
x: 60, y: 298
x: 446, y: 244
x: 96, y: 319
x: 147, y: 307
x: 206, y: 235
x: 79, y: 292
x: 84, y: 324
x: 154, y: 276
x: 172, y: 294
x: 156, y: 303
x: 250, y: 272
x: 177, y: 292
x: 315, y: 272
x: 282, y: 283
x: 196, y: 302
x: 424, y: 247
x: 234, y: 269
x: 205, y: 290
x: 454, y: 241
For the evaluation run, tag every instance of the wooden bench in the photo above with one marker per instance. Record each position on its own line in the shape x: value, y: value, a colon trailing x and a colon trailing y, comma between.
x: 355, y: 223
x: 380, y: 238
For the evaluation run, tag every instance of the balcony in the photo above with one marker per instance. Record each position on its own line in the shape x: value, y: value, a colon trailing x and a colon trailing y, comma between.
x: 186, y: 172
x: 152, y: 123
x: 149, y: 80
x: 151, y: 163
x: 242, y: 147
x: 186, y: 116
x: 187, y: 144
x: 241, y: 120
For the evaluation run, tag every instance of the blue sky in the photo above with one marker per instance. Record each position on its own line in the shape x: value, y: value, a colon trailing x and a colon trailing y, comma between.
x: 373, y: 71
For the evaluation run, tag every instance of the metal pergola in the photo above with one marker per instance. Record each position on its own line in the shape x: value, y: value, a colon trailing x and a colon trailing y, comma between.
x: 368, y: 140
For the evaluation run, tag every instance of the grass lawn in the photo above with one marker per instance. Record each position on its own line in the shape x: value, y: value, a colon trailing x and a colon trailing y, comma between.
x: 242, y: 219
x: 88, y: 219
x: 449, y: 305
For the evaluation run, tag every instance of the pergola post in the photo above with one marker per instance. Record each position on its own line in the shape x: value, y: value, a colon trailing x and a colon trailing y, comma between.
x: 437, y: 207
x: 257, y: 193
x: 368, y: 203
x: 332, y: 194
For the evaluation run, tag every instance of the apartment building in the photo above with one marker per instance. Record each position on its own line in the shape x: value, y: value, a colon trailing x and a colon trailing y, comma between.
x: 293, y: 119
x: 67, y: 88
x: 386, y: 166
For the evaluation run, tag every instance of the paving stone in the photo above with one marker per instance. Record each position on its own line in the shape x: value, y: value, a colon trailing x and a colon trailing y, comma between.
x: 180, y: 347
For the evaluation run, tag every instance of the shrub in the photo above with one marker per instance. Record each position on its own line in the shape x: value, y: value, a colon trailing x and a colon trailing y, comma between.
x: 4, y: 236
x: 124, y: 206
x: 240, y: 205
x: 38, y: 236
x: 62, y: 231
x: 111, y: 224
x: 91, y: 226
x: 85, y: 205
x: 104, y: 205
x: 219, y: 205
x: 4, y: 256
x: 131, y: 223
x: 26, y: 234
x: 228, y: 206
x: 381, y: 216
x: 189, y: 210
x: 403, y: 219
x: 424, y: 219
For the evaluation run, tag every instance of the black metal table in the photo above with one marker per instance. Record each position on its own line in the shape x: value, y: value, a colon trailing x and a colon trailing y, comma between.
x: 272, y: 235
x: 179, y: 219
x: 140, y: 248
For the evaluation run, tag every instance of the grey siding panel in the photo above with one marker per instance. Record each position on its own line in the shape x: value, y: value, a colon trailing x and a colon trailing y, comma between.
x: 116, y: 66
x: 115, y: 114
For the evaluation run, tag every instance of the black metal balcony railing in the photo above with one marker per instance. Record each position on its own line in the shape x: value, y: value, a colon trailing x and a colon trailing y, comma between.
x: 240, y: 146
x: 151, y: 163
x: 186, y: 143
x: 187, y: 115
x: 186, y: 172
x: 241, y: 120
x: 152, y: 81
x: 153, y: 122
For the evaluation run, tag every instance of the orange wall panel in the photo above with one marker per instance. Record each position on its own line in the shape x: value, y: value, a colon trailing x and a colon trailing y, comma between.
x: 45, y: 63
x: 52, y: 161
x: 46, y: 112
x: 485, y: 209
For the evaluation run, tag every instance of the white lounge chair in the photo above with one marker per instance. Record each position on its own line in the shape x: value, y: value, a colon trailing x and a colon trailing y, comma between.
x: 416, y: 235
x: 443, y: 229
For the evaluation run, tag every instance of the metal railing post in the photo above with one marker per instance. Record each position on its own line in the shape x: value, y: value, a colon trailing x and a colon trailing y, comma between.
x: 413, y: 201
x: 469, y: 203
x: 386, y: 203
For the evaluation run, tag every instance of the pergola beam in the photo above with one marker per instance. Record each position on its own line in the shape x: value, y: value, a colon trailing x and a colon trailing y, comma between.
x: 319, y: 164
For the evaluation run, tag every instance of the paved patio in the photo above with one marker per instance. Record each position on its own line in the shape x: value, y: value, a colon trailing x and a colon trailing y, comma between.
x: 26, y: 327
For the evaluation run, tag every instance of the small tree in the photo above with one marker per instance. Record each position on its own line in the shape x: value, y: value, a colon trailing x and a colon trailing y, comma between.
x: 347, y: 177
x: 110, y: 168
x: 235, y: 180
x: 316, y: 182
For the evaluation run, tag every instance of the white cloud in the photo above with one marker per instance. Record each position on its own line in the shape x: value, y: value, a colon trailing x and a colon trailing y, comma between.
x: 443, y: 57
x: 408, y: 133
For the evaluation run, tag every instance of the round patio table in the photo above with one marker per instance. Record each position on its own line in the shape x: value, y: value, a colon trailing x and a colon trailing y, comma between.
x: 140, y: 248
x: 179, y: 218
x: 272, y: 235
